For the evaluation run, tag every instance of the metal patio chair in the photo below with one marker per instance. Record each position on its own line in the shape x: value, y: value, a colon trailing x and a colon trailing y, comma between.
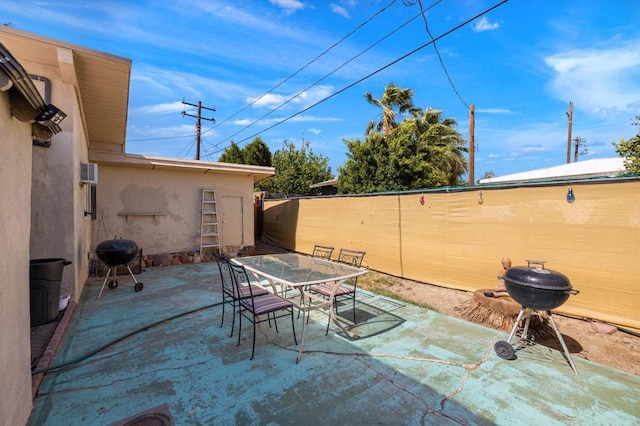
x: 320, y: 252
x: 346, y: 290
x: 324, y: 252
x: 231, y: 294
x: 253, y: 307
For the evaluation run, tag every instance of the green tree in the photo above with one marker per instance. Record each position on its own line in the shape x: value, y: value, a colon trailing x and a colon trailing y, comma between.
x: 444, y: 143
x: 630, y: 150
x: 488, y: 175
x: 393, y: 99
x: 422, y: 152
x: 296, y: 170
x: 257, y: 153
x: 232, y: 154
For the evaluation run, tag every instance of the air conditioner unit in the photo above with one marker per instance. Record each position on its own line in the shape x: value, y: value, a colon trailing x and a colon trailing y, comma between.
x: 88, y: 173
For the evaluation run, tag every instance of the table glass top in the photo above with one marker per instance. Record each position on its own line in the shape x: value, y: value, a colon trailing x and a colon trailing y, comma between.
x: 297, y: 269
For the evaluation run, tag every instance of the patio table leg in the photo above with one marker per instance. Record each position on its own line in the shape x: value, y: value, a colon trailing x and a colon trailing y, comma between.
x: 304, y: 329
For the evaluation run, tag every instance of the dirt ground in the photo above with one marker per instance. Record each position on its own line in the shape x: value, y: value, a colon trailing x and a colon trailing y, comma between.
x: 619, y: 350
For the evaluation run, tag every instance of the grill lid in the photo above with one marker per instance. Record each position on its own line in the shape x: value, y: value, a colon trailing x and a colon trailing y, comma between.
x: 540, y: 278
x: 116, y: 245
x: 116, y: 252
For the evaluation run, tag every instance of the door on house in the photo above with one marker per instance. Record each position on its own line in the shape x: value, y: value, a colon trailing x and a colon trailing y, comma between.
x: 232, y: 229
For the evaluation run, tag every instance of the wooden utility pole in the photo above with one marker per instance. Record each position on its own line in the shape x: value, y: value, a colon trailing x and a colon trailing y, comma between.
x: 472, y: 144
x: 578, y: 142
x: 198, y: 119
x: 570, y: 117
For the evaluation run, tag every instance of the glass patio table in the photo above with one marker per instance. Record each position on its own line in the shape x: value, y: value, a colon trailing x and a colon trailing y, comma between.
x: 298, y: 271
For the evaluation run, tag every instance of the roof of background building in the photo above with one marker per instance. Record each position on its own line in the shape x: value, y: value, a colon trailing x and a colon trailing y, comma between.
x: 600, y: 167
x: 329, y: 182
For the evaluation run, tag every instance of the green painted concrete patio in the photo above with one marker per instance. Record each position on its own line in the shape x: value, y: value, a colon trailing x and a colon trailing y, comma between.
x: 161, y: 352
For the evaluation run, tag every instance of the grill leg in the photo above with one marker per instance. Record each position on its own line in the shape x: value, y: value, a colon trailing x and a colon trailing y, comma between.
x: 526, y: 325
x: 564, y: 346
x: 104, y: 283
x: 515, y: 326
x: 132, y: 276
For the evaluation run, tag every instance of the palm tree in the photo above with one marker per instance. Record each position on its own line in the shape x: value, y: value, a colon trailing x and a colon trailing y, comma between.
x: 440, y: 135
x: 393, y: 99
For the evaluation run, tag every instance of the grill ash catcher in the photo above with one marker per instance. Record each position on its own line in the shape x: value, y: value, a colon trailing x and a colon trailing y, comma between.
x: 536, y: 289
x: 114, y: 253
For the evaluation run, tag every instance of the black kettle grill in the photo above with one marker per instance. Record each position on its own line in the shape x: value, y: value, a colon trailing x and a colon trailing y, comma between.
x: 536, y: 289
x: 114, y: 253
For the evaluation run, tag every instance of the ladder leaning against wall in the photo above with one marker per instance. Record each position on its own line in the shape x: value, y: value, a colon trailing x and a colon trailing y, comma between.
x: 209, y: 237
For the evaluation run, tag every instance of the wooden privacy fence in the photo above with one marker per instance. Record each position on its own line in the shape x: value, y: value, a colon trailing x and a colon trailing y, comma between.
x: 456, y: 237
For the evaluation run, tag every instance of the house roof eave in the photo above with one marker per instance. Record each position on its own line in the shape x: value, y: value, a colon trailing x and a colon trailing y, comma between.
x: 258, y: 173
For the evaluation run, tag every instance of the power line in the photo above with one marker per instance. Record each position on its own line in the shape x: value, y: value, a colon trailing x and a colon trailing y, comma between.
x: 453, y: 86
x: 326, y: 76
x: 276, y: 86
x: 158, y: 139
x: 433, y: 40
x: 309, y: 63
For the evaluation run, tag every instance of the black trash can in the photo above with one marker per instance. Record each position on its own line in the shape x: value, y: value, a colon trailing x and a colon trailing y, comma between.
x: 45, y: 279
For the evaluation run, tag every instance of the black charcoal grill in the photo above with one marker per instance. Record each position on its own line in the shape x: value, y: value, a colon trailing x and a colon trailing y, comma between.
x: 114, y: 253
x: 536, y: 289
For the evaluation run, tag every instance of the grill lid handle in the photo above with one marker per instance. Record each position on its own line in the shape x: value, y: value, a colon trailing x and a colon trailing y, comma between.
x: 536, y: 262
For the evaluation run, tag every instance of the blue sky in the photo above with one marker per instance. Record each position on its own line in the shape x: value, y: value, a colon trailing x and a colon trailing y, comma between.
x: 520, y: 65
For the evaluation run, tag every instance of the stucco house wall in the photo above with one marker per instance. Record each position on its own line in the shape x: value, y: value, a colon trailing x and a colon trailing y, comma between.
x: 15, y: 191
x: 57, y: 198
x: 165, y: 207
x: 58, y: 226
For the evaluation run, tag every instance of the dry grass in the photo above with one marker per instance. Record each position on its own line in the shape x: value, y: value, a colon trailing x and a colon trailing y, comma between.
x: 388, y: 286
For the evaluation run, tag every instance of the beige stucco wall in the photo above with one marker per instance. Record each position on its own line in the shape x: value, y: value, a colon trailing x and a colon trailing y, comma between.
x: 174, y: 195
x: 454, y: 241
x: 58, y: 226
x: 15, y: 350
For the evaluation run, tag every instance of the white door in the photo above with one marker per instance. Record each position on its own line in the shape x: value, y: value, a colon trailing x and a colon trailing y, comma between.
x: 232, y: 229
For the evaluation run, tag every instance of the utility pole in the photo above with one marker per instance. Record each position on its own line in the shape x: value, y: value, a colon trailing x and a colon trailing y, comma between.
x: 578, y: 142
x: 472, y: 144
x: 570, y: 117
x: 198, y: 118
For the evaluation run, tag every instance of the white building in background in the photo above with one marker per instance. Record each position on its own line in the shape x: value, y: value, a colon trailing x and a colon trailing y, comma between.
x: 599, y: 167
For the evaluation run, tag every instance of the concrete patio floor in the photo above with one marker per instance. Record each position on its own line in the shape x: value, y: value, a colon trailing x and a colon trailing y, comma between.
x: 410, y: 366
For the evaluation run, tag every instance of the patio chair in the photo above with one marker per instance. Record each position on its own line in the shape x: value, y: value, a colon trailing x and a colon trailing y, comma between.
x: 253, y: 307
x: 346, y: 290
x: 230, y: 293
x: 320, y: 252
x: 324, y: 252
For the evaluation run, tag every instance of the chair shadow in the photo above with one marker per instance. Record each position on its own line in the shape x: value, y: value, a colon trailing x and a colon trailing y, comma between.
x: 372, y: 319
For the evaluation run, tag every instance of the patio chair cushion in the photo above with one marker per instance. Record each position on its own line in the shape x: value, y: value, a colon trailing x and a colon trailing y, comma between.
x: 327, y: 288
x: 265, y: 304
x: 244, y: 292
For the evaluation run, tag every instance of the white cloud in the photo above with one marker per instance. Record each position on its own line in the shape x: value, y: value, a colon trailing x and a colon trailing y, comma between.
x: 602, y: 80
x: 303, y: 99
x: 164, y: 108
x: 289, y: 6
x: 314, y: 131
x: 494, y: 111
x: 177, y: 84
x: 533, y: 148
x: 484, y: 25
x: 339, y: 10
